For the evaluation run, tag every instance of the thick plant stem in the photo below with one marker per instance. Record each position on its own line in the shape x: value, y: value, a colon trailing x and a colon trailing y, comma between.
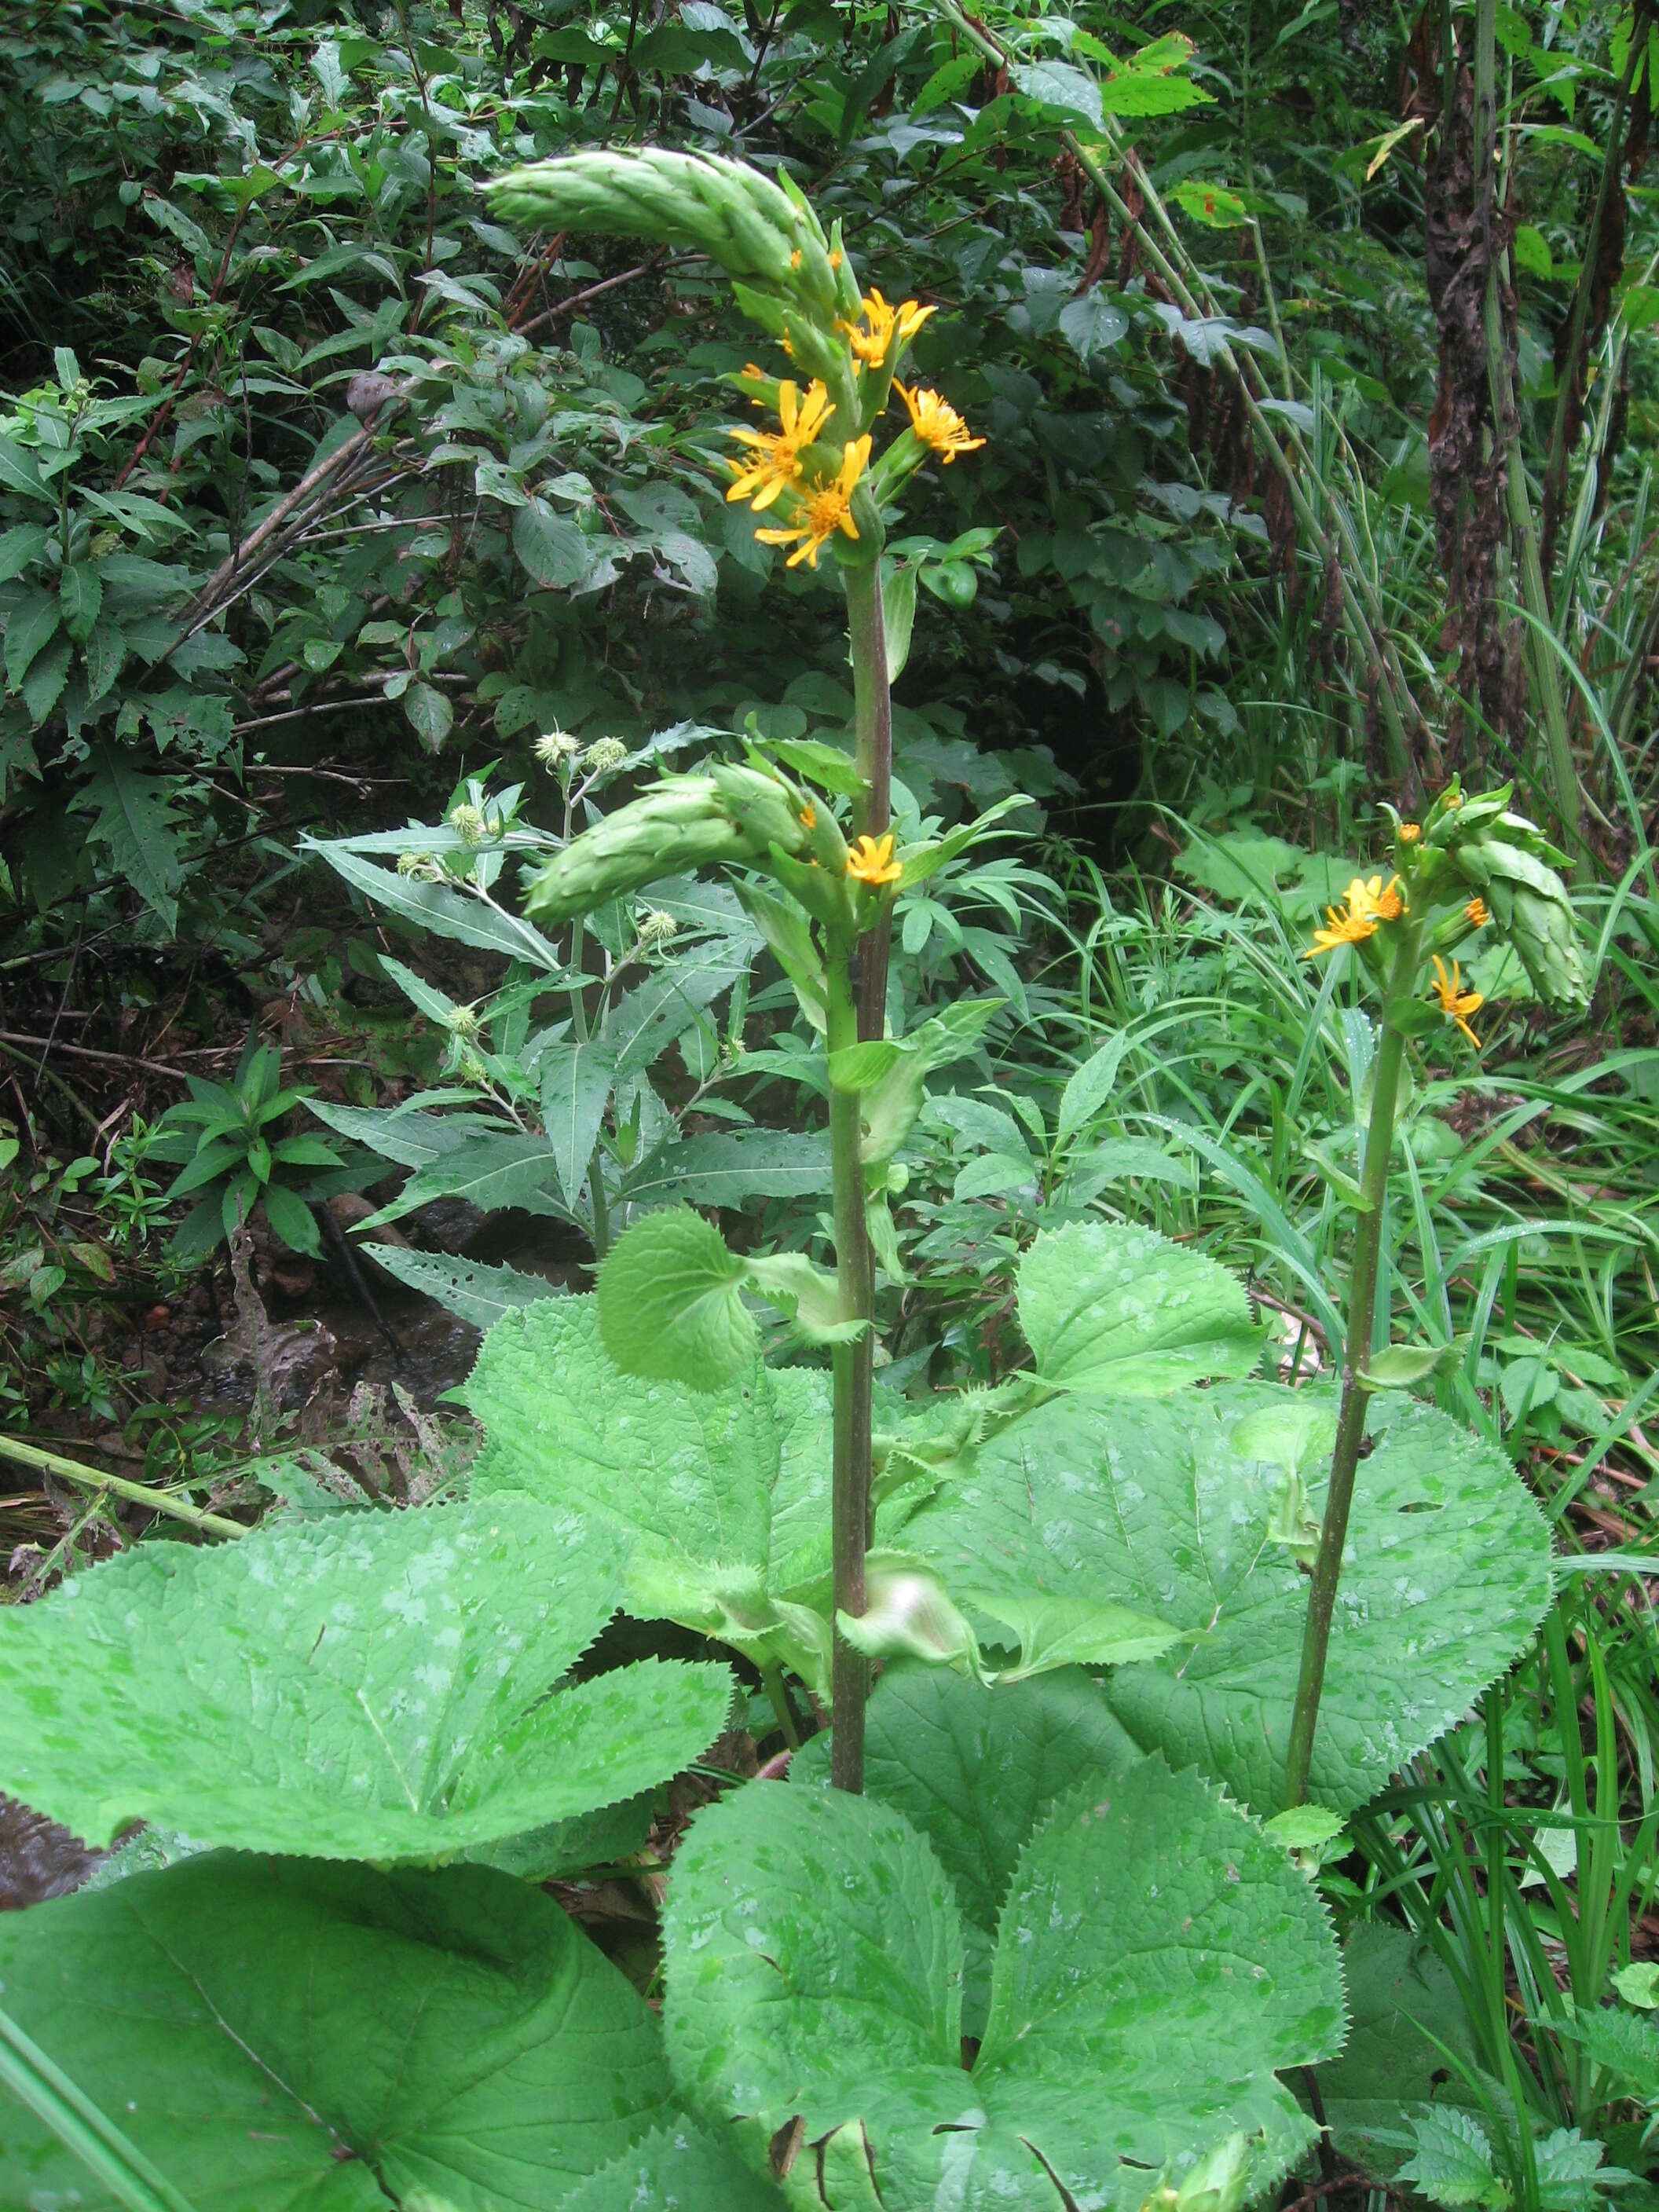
x: 873, y: 708
x: 857, y: 1009
x: 849, y: 1503
x: 1356, y: 1356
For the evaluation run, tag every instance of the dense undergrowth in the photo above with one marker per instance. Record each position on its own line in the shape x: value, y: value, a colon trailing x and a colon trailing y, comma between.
x: 364, y: 539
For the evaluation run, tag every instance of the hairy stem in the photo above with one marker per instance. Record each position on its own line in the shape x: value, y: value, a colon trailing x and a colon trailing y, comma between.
x: 849, y: 1506
x: 1356, y: 1356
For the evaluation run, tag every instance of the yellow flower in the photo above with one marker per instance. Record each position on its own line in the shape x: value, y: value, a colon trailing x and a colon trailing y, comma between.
x: 776, y: 453
x: 1455, y: 1003
x: 808, y: 816
x: 1478, y: 913
x: 937, y: 424
x: 824, y: 512
x: 1410, y: 832
x: 1386, y: 905
x: 871, y: 861
x: 1452, y: 800
x: 1364, y: 905
x: 888, y: 327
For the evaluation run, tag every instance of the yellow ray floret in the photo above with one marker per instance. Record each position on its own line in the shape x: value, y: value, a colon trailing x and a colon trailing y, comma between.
x: 1478, y: 912
x: 1455, y: 1003
x: 1364, y: 905
x: 937, y: 424
x: 824, y: 511
x: 870, y: 860
x: 888, y: 327
x: 775, y: 454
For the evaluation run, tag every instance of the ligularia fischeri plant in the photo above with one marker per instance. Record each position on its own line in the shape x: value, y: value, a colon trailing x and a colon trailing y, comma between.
x: 1022, y: 1930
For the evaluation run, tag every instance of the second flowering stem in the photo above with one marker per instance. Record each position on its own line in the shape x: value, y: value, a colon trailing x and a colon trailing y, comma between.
x: 1356, y: 1355
x: 854, y: 1371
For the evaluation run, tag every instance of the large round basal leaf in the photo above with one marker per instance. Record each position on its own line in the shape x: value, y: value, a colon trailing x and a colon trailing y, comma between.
x: 975, y: 1771
x: 1108, y: 1307
x: 375, y: 1685
x: 683, y: 1477
x: 680, y: 2167
x: 1158, y: 1958
x: 1153, y: 1503
x: 295, y: 2036
x: 1157, y: 1943
x: 815, y: 1965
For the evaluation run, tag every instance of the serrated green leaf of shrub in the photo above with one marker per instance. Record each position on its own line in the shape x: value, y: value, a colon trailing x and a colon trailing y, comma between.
x: 1453, y: 2163
x: 976, y: 1771
x: 670, y: 1302
x: 374, y: 1686
x: 1151, y: 1504
x: 1108, y: 1307
x: 1154, y: 1944
x: 283, y: 2034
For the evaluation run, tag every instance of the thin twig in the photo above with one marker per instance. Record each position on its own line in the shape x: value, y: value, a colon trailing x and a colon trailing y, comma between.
x: 135, y: 1493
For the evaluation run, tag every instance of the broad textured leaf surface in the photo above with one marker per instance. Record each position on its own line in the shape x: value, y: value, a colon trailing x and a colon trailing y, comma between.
x: 1107, y: 1307
x: 373, y: 1685
x: 1153, y: 1503
x: 292, y: 2036
x: 680, y: 2167
x: 975, y: 1771
x: 670, y: 1302
x: 1155, y: 1944
x: 682, y: 1476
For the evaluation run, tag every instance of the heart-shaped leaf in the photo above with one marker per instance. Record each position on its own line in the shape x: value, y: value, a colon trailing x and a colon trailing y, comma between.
x: 374, y: 1686
x: 977, y: 1772
x: 293, y: 2036
x: 1155, y: 1945
x: 1108, y: 1307
x: 1171, y: 1506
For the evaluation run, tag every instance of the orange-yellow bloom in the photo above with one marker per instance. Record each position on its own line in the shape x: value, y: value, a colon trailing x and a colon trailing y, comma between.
x: 824, y: 512
x: 888, y: 327
x: 870, y: 860
x: 808, y: 816
x: 1455, y: 1003
x: 1410, y: 832
x: 937, y: 424
x: 1364, y: 905
x: 775, y: 461
x: 1478, y: 913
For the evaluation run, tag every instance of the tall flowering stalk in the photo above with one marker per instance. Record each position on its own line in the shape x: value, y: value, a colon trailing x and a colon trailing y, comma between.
x: 1470, y: 867
x: 809, y: 468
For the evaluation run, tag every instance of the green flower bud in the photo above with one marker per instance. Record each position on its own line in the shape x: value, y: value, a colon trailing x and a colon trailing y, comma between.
x: 656, y: 929
x: 1513, y: 866
x: 462, y: 1023
x: 745, y: 222
x: 468, y: 823
x: 419, y: 865
x: 604, y: 754
x: 555, y: 748
x: 682, y: 823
